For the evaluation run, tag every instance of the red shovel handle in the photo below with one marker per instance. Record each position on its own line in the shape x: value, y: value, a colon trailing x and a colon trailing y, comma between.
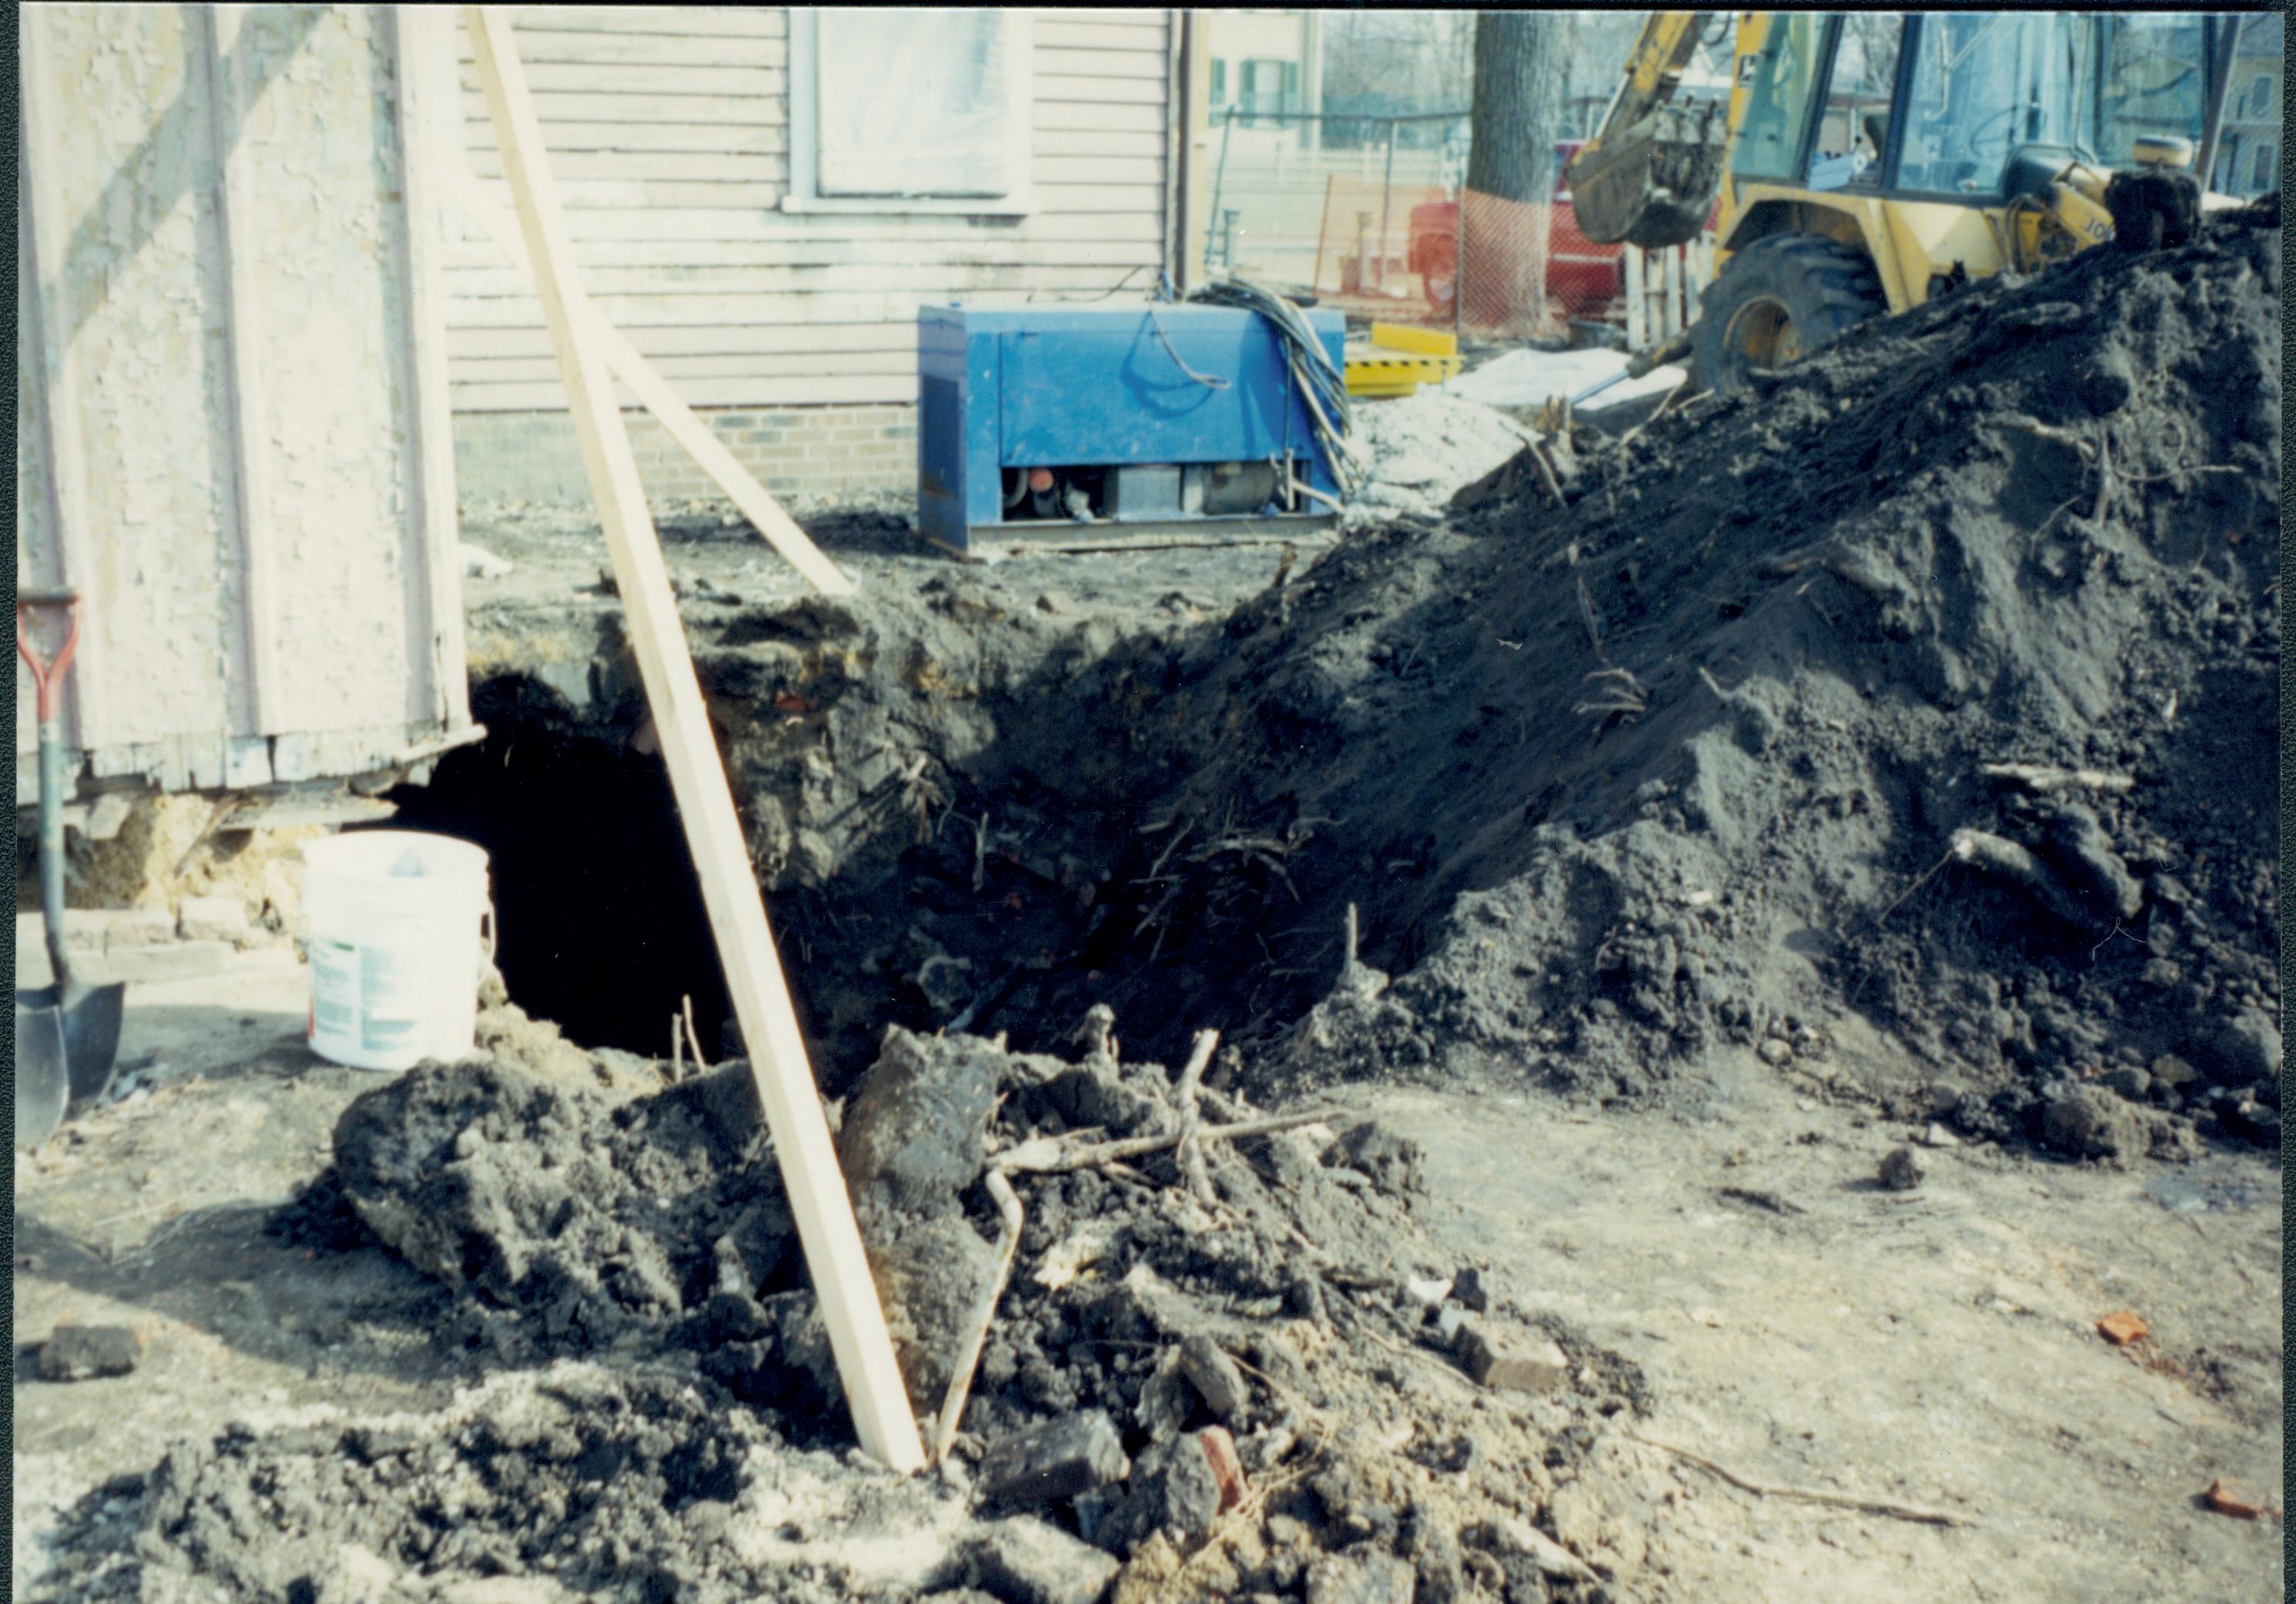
x: 48, y: 676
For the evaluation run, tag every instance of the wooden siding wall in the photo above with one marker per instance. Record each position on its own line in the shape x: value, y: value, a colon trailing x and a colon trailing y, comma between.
x: 668, y: 131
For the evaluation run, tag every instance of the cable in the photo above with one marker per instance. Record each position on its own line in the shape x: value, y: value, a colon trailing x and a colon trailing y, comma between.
x: 1322, y: 385
x: 1207, y: 379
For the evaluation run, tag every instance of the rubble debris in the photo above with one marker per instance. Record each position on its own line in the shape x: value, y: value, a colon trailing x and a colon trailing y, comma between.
x: 1497, y: 1362
x: 1175, y: 1403
x: 1216, y: 1378
x: 82, y: 1352
x: 1345, y: 1579
x: 2122, y: 1328
x: 1173, y: 1490
x: 2225, y: 1499
x: 1902, y: 1170
x: 1063, y: 1458
x: 212, y: 919
x: 1025, y: 1561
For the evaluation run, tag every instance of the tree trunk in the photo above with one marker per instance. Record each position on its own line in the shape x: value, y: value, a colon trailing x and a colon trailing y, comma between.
x: 1504, y: 214
x: 1517, y: 82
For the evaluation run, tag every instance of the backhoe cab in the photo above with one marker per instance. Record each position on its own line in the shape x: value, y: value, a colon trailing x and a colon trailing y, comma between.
x: 1869, y: 161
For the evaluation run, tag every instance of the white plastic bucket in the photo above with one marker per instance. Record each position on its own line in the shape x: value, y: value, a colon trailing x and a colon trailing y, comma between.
x: 398, y: 928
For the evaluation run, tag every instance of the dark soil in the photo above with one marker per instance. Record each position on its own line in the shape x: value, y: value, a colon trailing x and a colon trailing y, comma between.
x: 1683, y: 764
x: 682, y: 1439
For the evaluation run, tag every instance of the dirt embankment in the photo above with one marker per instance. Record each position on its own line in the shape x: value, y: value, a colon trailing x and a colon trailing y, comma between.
x: 1937, y: 683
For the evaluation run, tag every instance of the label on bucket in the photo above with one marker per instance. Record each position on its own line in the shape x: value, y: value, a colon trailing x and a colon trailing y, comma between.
x: 373, y: 997
x: 393, y: 997
x: 334, y: 989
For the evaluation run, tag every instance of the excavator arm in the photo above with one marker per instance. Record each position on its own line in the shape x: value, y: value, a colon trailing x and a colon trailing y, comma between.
x: 1650, y: 174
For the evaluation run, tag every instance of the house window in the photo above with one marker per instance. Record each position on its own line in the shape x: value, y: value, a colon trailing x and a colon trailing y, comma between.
x: 1220, y: 82
x: 2256, y: 101
x: 918, y: 110
x: 1269, y: 88
x: 2264, y: 172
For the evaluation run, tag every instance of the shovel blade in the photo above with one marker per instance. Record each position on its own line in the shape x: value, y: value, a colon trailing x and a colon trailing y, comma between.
x: 66, y: 1037
x: 43, y: 1080
x: 90, y: 1028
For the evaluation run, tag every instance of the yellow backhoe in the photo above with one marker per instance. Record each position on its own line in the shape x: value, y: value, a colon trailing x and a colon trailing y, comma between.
x: 1865, y: 162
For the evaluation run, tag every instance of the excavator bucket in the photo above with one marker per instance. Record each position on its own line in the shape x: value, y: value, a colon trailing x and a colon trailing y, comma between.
x: 1652, y: 185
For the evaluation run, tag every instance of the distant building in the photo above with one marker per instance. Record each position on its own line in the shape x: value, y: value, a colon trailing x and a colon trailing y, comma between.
x: 2248, y: 151
x: 1266, y: 68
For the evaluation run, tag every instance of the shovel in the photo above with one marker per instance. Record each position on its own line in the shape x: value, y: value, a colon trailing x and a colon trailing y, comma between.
x: 67, y: 1033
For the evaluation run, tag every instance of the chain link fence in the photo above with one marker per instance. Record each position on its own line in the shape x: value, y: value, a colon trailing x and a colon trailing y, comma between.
x: 1372, y: 215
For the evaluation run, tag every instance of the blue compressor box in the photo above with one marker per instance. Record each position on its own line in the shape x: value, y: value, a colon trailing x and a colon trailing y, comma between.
x: 1034, y: 420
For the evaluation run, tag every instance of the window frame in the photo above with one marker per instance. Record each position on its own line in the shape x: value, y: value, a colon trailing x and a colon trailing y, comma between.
x: 803, y: 101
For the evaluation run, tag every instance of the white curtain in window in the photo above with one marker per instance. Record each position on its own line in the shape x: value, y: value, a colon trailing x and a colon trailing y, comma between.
x: 911, y: 102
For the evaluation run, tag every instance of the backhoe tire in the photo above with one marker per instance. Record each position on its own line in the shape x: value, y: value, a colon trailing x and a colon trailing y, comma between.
x: 1776, y: 300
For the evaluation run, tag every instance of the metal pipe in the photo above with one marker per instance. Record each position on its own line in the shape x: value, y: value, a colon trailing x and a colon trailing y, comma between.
x: 1219, y: 177
x: 1386, y: 207
x: 2220, y: 93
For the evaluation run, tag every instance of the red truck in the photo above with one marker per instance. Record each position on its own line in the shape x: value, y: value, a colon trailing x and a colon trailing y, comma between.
x: 1582, y: 278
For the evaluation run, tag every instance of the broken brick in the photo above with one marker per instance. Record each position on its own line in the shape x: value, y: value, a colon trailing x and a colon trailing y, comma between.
x: 1497, y: 1363
x: 1220, y: 1450
x: 2124, y: 1328
x: 1061, y: 1458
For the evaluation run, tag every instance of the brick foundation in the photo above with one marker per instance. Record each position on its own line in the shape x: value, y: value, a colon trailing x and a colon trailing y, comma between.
x: 797, y: 452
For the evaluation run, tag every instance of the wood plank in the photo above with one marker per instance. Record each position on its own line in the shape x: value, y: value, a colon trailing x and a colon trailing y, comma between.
x: 684, y: 21
x: 1056, y: 170
x: 735, y: 223
x: 1096, y: 142
x: 869, y: 389
x: 1101, y: 64
x: 976, y: 246
x: 1050, y: 114
x: 544, y: 46
x: 248, y: 424
x: 643, y: 78
x: 476, y: 344
x: 1101, y: 199
x: 666, y: 194
x: 685, y: 166
x: 696, y: 311
x: 421, y: 39
x: 792, y: 365
x: 918, y: 278
x: 1107, y: 30
x: 754, y: 110
x: 698, y: 138
x: 815, y: 1188
x: 1082, y: 90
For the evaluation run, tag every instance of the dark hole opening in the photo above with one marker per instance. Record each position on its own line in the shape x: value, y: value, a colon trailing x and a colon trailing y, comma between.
x: 599, y: 923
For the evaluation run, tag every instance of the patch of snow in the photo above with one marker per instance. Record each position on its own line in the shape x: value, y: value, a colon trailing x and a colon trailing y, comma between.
x: 1528, y: 378
x: 1422, y: 448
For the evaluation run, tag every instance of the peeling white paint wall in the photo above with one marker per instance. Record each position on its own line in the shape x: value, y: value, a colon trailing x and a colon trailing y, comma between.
x: 221, y: 426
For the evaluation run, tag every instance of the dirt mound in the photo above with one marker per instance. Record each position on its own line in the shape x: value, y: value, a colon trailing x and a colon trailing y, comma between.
x: 1935, y: 685
x: 1722, y: 745
x: 1268, y: 1305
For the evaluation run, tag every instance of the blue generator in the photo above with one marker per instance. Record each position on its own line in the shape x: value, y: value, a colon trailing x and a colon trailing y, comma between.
x: 1071, y: 424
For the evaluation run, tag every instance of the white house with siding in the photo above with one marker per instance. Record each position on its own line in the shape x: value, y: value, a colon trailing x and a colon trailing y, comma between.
x: 761, y: 198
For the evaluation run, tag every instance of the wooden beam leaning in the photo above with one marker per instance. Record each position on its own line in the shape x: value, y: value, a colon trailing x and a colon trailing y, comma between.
x: 881, y: 1414
x: 683, y: 423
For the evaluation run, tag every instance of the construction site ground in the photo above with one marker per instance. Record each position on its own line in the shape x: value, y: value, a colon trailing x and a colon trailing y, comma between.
x: 1766, y: 924
x: 1936, y: 1347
